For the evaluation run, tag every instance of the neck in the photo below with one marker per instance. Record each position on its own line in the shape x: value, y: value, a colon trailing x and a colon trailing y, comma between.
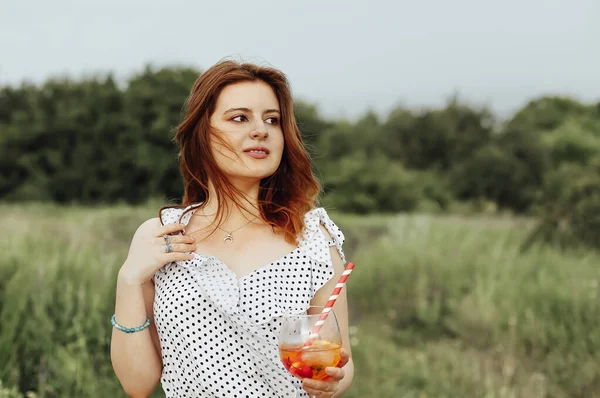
x: 234, y: 216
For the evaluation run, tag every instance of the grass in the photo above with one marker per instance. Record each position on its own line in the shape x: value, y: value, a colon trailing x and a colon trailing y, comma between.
x: 441, y: 306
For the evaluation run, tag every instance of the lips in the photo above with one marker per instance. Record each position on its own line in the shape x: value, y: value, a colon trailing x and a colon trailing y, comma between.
x: 257, y: 150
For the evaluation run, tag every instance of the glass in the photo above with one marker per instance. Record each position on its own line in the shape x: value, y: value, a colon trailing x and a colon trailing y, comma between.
x: 309, y: 362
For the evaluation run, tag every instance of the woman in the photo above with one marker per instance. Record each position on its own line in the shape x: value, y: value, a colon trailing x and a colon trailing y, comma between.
x: 205, y: 283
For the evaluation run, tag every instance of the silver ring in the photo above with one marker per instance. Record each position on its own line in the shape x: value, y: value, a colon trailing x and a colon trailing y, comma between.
x: 168, y: 248
x: 167, y: 239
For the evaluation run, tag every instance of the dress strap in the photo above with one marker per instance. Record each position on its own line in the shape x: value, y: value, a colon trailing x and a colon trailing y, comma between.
x: 337, y: 236
x: 316, y: 246
x: 174, y: 215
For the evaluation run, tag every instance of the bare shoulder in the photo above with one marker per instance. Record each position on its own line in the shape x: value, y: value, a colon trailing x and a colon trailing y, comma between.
x: 151, y: 223
x: 148, y: 226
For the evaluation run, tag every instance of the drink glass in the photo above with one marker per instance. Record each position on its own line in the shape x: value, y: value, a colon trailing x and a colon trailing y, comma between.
x: 309, y: 362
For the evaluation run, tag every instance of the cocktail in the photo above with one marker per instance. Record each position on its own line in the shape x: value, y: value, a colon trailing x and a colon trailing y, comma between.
x: 306, y: 354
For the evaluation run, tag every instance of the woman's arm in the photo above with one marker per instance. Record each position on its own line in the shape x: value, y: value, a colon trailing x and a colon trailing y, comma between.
x: 341, y: 311
x: 136, y: 357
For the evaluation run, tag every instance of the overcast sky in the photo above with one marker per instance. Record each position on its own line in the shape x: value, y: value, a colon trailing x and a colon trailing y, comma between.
x: 345, y: 55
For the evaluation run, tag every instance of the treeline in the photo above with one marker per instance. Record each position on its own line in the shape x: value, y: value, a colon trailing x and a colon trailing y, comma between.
x: 92, y: 141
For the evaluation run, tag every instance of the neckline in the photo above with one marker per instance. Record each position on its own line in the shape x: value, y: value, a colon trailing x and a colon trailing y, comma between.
x: 223, y: 263
x: 251, y: 273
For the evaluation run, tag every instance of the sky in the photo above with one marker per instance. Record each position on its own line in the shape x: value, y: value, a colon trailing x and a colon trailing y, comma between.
x: 347, y: 57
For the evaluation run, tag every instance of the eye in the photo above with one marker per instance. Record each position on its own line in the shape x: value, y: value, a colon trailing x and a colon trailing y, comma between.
x: 239, y: 118
x: 273, y: 120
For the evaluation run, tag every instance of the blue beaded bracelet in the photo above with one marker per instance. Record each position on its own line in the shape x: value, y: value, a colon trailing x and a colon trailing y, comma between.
x: 129, y: 330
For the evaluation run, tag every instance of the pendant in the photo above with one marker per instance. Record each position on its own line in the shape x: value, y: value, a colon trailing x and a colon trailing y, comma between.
x: 228, y: 239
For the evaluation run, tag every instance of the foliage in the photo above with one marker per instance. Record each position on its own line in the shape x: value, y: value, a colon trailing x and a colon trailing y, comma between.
x: 574, y: 141
x: 548, y: 113
x: 311, y: 125
x: 355, y: 183
x: 508, y: 171
x: 13, y: 392
x: 436, y: 138
x: 569, y: 207
x: 450, y: 307
x: 91, y: 141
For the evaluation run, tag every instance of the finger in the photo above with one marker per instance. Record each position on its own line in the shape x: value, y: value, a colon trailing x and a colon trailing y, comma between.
x: 169, y: 229
x: 345, y: 357
x: 180, y: 247
x: 175, y: 240
x: 318, y: 385
x: 182, y: 239
x: 184, y: 248
x: 335, y: 373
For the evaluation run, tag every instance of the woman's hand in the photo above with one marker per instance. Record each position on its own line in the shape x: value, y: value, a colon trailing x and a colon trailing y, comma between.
x: 147, y: 251
x: 329, y: 386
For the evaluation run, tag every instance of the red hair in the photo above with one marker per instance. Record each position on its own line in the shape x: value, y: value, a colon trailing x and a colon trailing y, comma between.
x: 285, y: 196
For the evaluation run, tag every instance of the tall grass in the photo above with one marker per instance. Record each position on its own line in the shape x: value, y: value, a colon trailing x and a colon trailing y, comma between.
x: 450, y: 307
x: 440, y: 306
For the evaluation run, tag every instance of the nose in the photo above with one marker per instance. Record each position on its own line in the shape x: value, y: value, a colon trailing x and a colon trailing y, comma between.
x: 260, y: 132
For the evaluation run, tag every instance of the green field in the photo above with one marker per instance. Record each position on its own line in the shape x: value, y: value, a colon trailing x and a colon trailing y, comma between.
x: 441, y: 306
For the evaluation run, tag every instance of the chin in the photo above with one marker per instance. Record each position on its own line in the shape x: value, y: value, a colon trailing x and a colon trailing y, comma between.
x: 257, y: 175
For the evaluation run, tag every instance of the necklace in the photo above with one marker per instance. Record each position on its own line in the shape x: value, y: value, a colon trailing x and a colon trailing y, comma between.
x: 229, y: 237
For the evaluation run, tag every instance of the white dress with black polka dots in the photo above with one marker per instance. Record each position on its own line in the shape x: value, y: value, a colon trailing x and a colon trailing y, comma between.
x: 218, y: 332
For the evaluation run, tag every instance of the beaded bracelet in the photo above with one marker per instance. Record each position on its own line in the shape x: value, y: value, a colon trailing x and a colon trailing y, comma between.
x: 129, y: 330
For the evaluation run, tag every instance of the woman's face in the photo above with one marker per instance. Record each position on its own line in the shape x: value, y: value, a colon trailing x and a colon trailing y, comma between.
x: 247, y: 116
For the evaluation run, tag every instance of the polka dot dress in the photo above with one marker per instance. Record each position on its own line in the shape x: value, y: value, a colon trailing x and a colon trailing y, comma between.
x: 218, y: 332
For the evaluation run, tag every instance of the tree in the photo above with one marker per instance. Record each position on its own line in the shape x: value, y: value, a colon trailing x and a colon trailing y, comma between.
x: 436, y: 138
x: 154, y: 102
x: 508, y: 171
x: 311, y: 124
x: 576, y: 140
x: 569, y: 207
x: 366, y: 184
x: 547, y: 113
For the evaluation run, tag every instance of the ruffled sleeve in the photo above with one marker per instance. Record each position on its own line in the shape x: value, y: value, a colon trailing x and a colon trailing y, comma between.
x: 174, y: 215
x: 316, y: 246
x: 170, y: 215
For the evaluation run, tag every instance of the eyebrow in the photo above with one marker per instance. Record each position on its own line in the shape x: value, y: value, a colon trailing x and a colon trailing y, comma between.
x: 248, y: 110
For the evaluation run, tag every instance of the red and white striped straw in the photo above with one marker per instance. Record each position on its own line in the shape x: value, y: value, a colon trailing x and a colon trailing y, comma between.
x: 334, y: 295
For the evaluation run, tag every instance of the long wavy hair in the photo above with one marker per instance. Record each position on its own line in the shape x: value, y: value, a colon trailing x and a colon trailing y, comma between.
x: 285, y: 196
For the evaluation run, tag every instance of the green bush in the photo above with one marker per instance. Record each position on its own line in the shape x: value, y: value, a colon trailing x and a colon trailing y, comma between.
x: 574, y: 141
x: 361, y: 184
x: 13, y: 392
x: 435, y: 138
x: 547, y: 113
x: 495, y: 174
x: 569, y: 207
